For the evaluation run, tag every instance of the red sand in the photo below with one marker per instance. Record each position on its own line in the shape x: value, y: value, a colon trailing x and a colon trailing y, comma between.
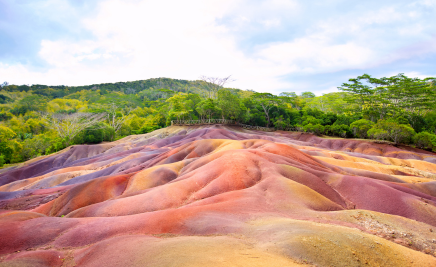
x: 220, y: 196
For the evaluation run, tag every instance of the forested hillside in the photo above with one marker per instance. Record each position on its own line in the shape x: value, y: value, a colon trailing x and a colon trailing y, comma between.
x: 41, y: 119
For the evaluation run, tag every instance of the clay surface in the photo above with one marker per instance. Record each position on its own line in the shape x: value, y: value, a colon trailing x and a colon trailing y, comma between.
x: 221, y: 196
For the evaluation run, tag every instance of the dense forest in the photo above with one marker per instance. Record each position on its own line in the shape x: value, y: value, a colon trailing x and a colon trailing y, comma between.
x: 38, y: 119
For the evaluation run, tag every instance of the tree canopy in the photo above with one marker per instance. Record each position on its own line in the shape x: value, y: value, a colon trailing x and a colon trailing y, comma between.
x: 40, y: 119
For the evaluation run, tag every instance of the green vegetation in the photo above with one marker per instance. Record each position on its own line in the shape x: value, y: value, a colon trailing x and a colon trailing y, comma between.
x: 38, y: 120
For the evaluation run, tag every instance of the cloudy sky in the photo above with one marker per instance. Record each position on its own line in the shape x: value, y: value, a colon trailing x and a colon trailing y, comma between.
x: 268, y: 46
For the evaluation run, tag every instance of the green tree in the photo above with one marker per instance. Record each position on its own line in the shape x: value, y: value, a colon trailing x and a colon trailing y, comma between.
x: 30, y: 103
x: 379, y: 98
x: 341, y: 130
x: 292, y: 99
x: 36, y: 146
x: 425, y: 140
x: 9, y: 148
x: 35, y: 126
x: 392, y: 131
x: 207, y: 108
x: 67, y: 126
x: 310, y: 120
x: 361, y: 94
x: 266, y: 102
x: 180, y: 106
x: 230, y: 105
x: 282, y: 123
x: 360, y: 128
x: 315, y: 129
x: 307, y: 95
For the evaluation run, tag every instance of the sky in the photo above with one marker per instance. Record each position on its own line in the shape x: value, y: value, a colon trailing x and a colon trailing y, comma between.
x: 267, y: 46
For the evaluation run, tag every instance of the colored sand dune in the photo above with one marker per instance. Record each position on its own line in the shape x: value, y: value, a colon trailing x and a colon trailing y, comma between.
x: 221, y: 196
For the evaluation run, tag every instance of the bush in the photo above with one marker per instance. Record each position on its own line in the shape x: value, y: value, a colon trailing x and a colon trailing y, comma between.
x: 360, y: 128
x: 341, y: 130
x: 392, y: 131
x: 399, y: 119
x: 4, y: 116
x: 378, y: 134
x: 2, y: 160
x: 95, y: 134
x: 281, y: 123
x: 311, y: 120
x: 56, y: 145
x: 328, y: 130
x: 425, y: 140
x: 299, y: 128
x: 315, y: 129
x: 149, y: 128
x: 347, y: 119
x: 10, y: 149
x: 36, y: 146
x: 124, y: 131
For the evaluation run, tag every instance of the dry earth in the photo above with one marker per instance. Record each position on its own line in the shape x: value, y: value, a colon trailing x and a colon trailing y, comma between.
x: 221, y: 196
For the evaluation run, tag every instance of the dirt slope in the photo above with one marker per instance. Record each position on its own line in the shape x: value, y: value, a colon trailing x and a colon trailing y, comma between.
x: 221, y: 196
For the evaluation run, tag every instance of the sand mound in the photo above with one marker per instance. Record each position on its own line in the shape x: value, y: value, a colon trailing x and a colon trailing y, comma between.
x: 221, y: 196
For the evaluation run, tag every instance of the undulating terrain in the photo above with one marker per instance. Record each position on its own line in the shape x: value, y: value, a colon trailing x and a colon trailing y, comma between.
x: 221, y: 196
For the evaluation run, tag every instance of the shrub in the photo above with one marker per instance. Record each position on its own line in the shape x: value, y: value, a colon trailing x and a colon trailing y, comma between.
x: 10, y: 148
x: 56, y: 145
x: 341, y: 130
x: 328, y: 130
x: 299, y: 128
x: 392, y: 131
x: 282, y: 123
x: 95, y: 134
x: 361, y: 127
x: 425, y: 140
x: 2, y: 160
x: 36, y: 146
x: 316, y: 129
x: 149, y: 128
x: 311, y: 120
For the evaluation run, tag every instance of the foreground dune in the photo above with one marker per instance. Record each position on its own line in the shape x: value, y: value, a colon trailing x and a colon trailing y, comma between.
x: 221, y: 196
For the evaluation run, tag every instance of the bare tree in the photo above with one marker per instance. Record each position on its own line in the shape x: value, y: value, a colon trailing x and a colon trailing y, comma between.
x: 267, y: 101
x: 213, y: 84
x: 68, y: 126
x: 129, y: 91
x: 116, y: 122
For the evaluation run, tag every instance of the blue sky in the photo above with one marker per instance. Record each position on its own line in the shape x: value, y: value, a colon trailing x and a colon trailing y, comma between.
x: 269, y: 46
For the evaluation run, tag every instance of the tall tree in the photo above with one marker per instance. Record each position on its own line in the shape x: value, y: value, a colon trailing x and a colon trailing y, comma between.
x: 116, y: 117
x: 307, y: 95
x: 292, y: 99
x: 213, y: 84
x: 230, y: 104
x: 360, y: 93
x: 207, y: 108
x: 180, y: 105
x: 266, y: 101
x: 67, y: 126
x: 8, y: 146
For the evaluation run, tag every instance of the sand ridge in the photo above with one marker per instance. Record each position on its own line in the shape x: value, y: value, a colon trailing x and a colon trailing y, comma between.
x: 220, y: 195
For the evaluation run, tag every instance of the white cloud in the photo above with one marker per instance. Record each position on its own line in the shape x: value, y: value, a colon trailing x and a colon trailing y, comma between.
x: 140, y: 40
x: 414, y: 74
x: 133, y: 40
x: 313, y: 55
x: 429, y: 3
x: 271, y: 23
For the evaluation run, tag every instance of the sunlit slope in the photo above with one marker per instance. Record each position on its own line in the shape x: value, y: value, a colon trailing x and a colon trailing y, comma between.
x: 221, y: 196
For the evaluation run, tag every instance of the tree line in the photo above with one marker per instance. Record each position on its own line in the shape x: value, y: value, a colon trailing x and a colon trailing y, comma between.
x: 37, y: 120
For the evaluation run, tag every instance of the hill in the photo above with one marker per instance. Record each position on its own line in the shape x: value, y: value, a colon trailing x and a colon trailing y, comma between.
x: 221, y: 196
x: 40, y: 120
